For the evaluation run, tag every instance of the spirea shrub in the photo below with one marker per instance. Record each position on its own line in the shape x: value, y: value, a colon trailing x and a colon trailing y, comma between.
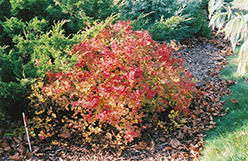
x: 120, y: 76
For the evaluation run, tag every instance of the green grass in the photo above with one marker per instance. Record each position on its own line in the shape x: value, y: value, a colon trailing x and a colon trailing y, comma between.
x: 229, y: 141
x: 231, y: 146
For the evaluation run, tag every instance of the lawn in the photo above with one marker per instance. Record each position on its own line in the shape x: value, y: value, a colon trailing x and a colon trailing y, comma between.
x: 229, y: 141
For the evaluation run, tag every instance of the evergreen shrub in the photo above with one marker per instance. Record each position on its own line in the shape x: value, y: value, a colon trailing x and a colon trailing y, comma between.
x: 186, y: 18
x: 35, y: 37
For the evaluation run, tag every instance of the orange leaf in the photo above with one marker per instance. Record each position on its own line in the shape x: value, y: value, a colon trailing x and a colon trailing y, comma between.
x: 176, y: 156
x: 119, y: 152
x: 141, y: 146
x: 234, y: 101
x: 167, y: 148
x: 16, y: 157
x: 152, y: 145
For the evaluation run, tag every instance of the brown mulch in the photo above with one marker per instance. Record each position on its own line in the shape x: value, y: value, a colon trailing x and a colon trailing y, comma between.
x: 204, y: 58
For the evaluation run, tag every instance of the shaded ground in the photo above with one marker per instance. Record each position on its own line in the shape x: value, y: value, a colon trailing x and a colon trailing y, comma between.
x: 204, y: 58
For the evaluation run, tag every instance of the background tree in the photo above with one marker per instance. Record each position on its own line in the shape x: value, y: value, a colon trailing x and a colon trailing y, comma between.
x: 234, y: 23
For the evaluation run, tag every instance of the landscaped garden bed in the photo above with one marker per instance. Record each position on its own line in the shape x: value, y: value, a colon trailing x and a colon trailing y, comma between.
x: 181, y: 143
x: 97, y: 86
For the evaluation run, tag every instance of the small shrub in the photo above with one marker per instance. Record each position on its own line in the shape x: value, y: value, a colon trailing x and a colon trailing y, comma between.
x: 166, y: 29
x: 120, y: 76
x: 157, y: 13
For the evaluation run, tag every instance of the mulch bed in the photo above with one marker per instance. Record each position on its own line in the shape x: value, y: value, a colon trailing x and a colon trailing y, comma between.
x: 205, y: 58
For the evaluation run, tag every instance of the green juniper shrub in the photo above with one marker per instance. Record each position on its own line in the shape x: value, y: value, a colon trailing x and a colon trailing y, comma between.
x: 38, y: 35
x: 186, y: 18
x: 74, y: 11
x: 167, y: 29
x: 4, y: 9
x: 34, y: 53
x: 120, y: 76
x: 4, y: 13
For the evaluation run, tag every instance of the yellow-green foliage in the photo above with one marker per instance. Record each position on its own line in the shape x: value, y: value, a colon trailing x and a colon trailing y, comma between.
x: 176, y: 119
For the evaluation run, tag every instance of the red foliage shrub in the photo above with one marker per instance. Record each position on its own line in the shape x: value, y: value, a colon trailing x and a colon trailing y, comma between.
x: 120, y: 74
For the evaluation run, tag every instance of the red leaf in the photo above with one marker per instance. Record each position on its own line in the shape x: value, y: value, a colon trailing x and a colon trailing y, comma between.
x: 234, y: 101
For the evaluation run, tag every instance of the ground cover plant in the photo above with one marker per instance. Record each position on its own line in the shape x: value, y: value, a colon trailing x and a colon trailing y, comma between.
x: 121, y: 78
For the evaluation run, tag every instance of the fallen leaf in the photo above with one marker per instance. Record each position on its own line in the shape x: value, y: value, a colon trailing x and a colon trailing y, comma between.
x: 174, y: 143
x: 218, y: 58
x: 197, y: 112
x: 180, y: 135
x: 40, y: 154
x: 162, y: 139
x: 152, y: 146
x: 16, y: 157
x: 65, y: 134
x: 17, y: 140
x: 234, y: 101
x: 141, y: 146
x: 186, y: 129
x: 36, y: 149
x: 167, y: 148
x: 210, y: 126
x: 212, y: 74
x: 193, y: 116
x: 29, y: 154
x: 20, y: 150
x: 5, y: 146
x: 49, y: 112
x: 119, y: 152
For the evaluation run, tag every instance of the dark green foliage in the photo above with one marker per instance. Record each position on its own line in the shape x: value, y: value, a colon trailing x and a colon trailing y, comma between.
x: 204, y: 4
x: 168, y: 19
x: 74, y: 11
x: 4, y: 9
x: 11, y: 92
x: 36, y: 36
x: 33, y: 54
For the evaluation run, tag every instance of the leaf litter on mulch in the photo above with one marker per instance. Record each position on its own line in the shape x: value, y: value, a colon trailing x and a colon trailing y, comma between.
x: 205, y: 58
